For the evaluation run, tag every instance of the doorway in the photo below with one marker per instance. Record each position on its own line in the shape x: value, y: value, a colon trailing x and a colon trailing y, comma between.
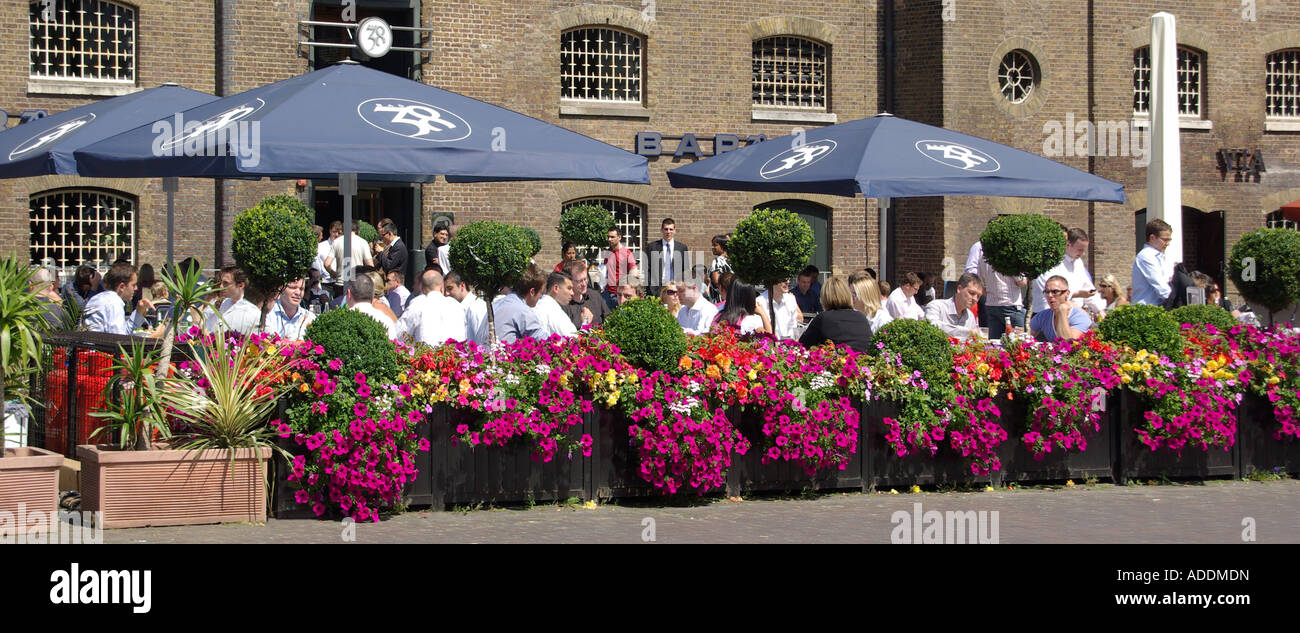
x: 819, y: 218
x: 1203, y: 240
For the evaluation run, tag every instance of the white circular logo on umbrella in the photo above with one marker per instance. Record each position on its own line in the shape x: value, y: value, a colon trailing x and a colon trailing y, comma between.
x: 959, y: 156
x: 414, y: 119
x: 796, y: 158
x: 214, y: 124
x: 49, y: 136
x: 375, y: 37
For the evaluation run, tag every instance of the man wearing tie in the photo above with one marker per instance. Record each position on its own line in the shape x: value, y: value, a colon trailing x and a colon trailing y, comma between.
x: 667, y: 259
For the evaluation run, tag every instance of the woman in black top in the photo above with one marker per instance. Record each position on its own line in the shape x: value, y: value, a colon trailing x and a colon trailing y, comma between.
x: 839, y: 322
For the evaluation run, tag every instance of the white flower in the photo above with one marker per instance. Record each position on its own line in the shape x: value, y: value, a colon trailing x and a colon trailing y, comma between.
x: 542, y: 369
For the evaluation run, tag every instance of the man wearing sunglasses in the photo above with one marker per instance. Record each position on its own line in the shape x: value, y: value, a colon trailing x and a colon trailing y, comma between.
x: 1061, y: 319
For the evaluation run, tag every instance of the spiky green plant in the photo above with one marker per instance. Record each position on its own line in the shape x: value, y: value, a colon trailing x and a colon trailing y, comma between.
x: 20, y: 328
x: 133, y: 408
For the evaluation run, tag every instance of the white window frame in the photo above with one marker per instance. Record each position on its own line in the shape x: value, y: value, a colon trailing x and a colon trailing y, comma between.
x: 1186, y: 120
x: 1035, y: 76
x: 82, y: 71
x: 614, y: 204
x: 80, y: 225
x: 1283, y: 122
x: 1276, y: 220
x: 782, y: 91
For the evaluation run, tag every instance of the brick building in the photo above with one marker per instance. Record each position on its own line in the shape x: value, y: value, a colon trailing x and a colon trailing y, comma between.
x: 611, y: 70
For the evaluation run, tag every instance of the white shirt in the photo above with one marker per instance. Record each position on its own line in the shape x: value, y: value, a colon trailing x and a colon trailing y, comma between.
x: 370, y: 311
x: 786, y: 318
x: 751, y: 323
x: 404, y: 294
x: 1075, y: 274
x: 106, y: 312
x: 323, y: 250
x: 476, y: 318
x: 240, y: 316
x: 901, y: 306
x: 882, y: 317
x: 943, y: 313
x: 999, y: 289
x: 553, y: 318
x: 698, y: 318
x: 432, y: 319
x: 360, y: 254
x: 279, y: 322
x: 973, y: 257
x: 444, y: 258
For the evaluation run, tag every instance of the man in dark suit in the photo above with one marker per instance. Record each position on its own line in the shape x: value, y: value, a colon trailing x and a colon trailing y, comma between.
x: 394, y: 255
x: 667, y: 259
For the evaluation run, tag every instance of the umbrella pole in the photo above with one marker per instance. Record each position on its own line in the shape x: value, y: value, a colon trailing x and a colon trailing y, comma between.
x: 170, y: 185
x: 347, y: 189
x: 883, y: 266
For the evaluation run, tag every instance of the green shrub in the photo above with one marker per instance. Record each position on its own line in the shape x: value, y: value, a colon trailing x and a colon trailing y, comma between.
x: 1204, y: 315
x: 357, y: 340
x: 490, y: 255
x: 534, y: 240
x: 1265, y: 267
x: 1143, y: 327
x: 290, y: 203
x: 586, y: 225
x: 1029, y: 244
x: 367, y: 232
x: 921, y: 346
x: 770, y: 246
x: 648, y: 336
x: 273, y: 243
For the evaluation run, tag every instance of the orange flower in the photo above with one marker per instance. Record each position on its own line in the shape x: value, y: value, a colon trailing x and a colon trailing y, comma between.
x: 724, y: 361
x: 303, y: 387
x: 684, y: 362
x: 712, y: 372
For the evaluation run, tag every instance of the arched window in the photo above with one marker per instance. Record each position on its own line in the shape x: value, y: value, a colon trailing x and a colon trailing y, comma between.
x: 1282, y: 84
x: 790, y: 71
x: 1191, y: 71
x: 82, y: 39
x: 70, y: 227
x: 629, y: 217
x: 601, y: 64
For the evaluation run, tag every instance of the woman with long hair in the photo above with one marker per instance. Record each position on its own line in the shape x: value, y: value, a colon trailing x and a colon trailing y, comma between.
x: 838, y: 322
x: 567, y: 254
x: 867, y: 300
x: 1112, y: 292
x: 671, y: 298
x: 742, y: 311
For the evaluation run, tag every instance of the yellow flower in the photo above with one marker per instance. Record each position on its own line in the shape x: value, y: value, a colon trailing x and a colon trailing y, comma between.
x: 892, y: 491
x: 1221, y: 375
x: 1086, y: 354
x: 611, y: 375
x: 610, y: 401
x: 915, y: 489
x: 464, y: 384
x: 1273, y: 380
x: 1069, y: 483
x: 401, y: 378
x: 590, y: 505
x: 1126, y: 379
x: 752, y: 374
x: 1212, y: 365
x: 993, y: 391
x: 988, y: 488
x: 632, y: 377
x: 418, y: 390
x: 983, y: 368
x: 1142, y: 355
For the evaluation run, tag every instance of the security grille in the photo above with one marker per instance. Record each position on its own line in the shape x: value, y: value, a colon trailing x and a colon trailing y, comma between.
x: 83, y: 39
x: 599, y: 64
x: 629, y: 217
x: 1282, y: 84
x: 790, y: 72
x: 1017, y: 75
x: 74, y: 226
x: 1276, y: 220
x: 1190, y: 66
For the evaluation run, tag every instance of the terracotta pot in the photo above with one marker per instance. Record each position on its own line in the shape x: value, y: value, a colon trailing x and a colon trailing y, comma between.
x: 171, y: 487
x: 30, y: 476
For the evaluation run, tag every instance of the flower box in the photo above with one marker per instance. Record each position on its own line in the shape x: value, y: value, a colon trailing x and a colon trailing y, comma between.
x: 1138, y: 461
x: 1259, y: 450
x: 883, y: 468
x: 173, y: 487
x: 29, y: 477
x: 283, y: 505
x: 752, y: 475
x: 616, y: 466
x: 1018, y: 463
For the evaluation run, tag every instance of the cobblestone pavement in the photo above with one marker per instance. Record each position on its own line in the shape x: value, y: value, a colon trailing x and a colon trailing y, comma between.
x: 1212, y: 512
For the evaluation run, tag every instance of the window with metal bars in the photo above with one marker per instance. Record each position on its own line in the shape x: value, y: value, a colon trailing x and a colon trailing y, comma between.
x: 601, y: 64
x: 789, y: 72
x: 82, y: 39
x: 1276, y: 220
x: 1190, y: 72
x: 629, y: 217
x: 1282, y: 84
x: 70, y: 227
x: 1017, y: 76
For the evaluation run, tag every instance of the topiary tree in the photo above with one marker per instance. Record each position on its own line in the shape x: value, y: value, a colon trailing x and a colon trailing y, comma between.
x: 586, y: 225
x: 1204, y: 315
x: 291, y: 203
x: 1029, y: 244
x: 534, y: 240
x: 647, y: 335
x: 1265, y: 267
x: 490, y: 255
x: 358, y: 341
x: 275, y: 245
x: 1143, y: 327
x: 768, y: 247
x: 921, y: 346
x: 367, y: 232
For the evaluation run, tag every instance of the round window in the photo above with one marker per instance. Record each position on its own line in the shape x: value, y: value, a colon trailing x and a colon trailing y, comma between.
x: 1017, y: 75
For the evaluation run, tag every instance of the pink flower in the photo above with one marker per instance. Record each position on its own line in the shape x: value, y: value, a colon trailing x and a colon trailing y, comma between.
x: 335, y: 364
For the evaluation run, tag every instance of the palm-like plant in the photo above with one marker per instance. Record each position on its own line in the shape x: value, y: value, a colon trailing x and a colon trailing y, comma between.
x: 20, y: 328
x: 187, y: 293
x: 134, y: 409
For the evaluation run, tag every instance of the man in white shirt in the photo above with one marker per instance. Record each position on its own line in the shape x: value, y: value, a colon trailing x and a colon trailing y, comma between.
x: 360, y: 292
x: 106, y: 311
x: 559, y: 290
x: 287, y: 316
x: 902, y: 301
x: 953, y: 316
x: 1150, y: 274
x: 1003, y: 300
x: 236, y: 313
x: 325, y: 257
x: 324, y: 252
x: 788, y: 314
x: 1073, y: 270
x: 696, y: 315
x: 432, y: 318
x: 360, y: 253
x: 396, y: 282
x: 474, y: 307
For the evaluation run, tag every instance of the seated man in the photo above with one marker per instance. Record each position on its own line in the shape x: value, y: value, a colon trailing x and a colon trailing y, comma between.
x: 106, y: 311
x: 360, y: 292
x: 954, y: 316
x: 288, y: 317
x: 236, y: 312
x: 432, y: 318
x: 1061, y: 319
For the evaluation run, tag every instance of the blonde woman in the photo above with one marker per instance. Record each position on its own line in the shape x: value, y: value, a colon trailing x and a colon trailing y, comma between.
x: 380, y: 302
x: 838, y: 322
x: 671, y: 298
x: 1112, y: 292
x: 866, y: 299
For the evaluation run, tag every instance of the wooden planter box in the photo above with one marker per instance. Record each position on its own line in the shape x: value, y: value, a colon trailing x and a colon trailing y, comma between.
x: 1137, y: 461
x: 885, y: 469
x: 1018, y: 463
x: 498, y: 474
x: 29, y: 477
x: 171, y: 487
x: 616, y: 467
x: 753, y: 475
x: 1258, y: 450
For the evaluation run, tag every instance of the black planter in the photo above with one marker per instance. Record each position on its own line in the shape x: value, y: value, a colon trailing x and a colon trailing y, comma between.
x: 1137, y: 461
x: 883, y: 468
x: 1018, y: 463
x: 282, y: 504
x: 420, y: 491
x: 498, y: 474
x: 1257, y: 448
x: 616, y: 467
x: 782, y: 476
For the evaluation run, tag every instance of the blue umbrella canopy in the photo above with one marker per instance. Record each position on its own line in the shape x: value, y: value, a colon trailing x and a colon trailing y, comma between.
x: 888, y: 157
x: 45, y: 146
x: 351, y: 119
